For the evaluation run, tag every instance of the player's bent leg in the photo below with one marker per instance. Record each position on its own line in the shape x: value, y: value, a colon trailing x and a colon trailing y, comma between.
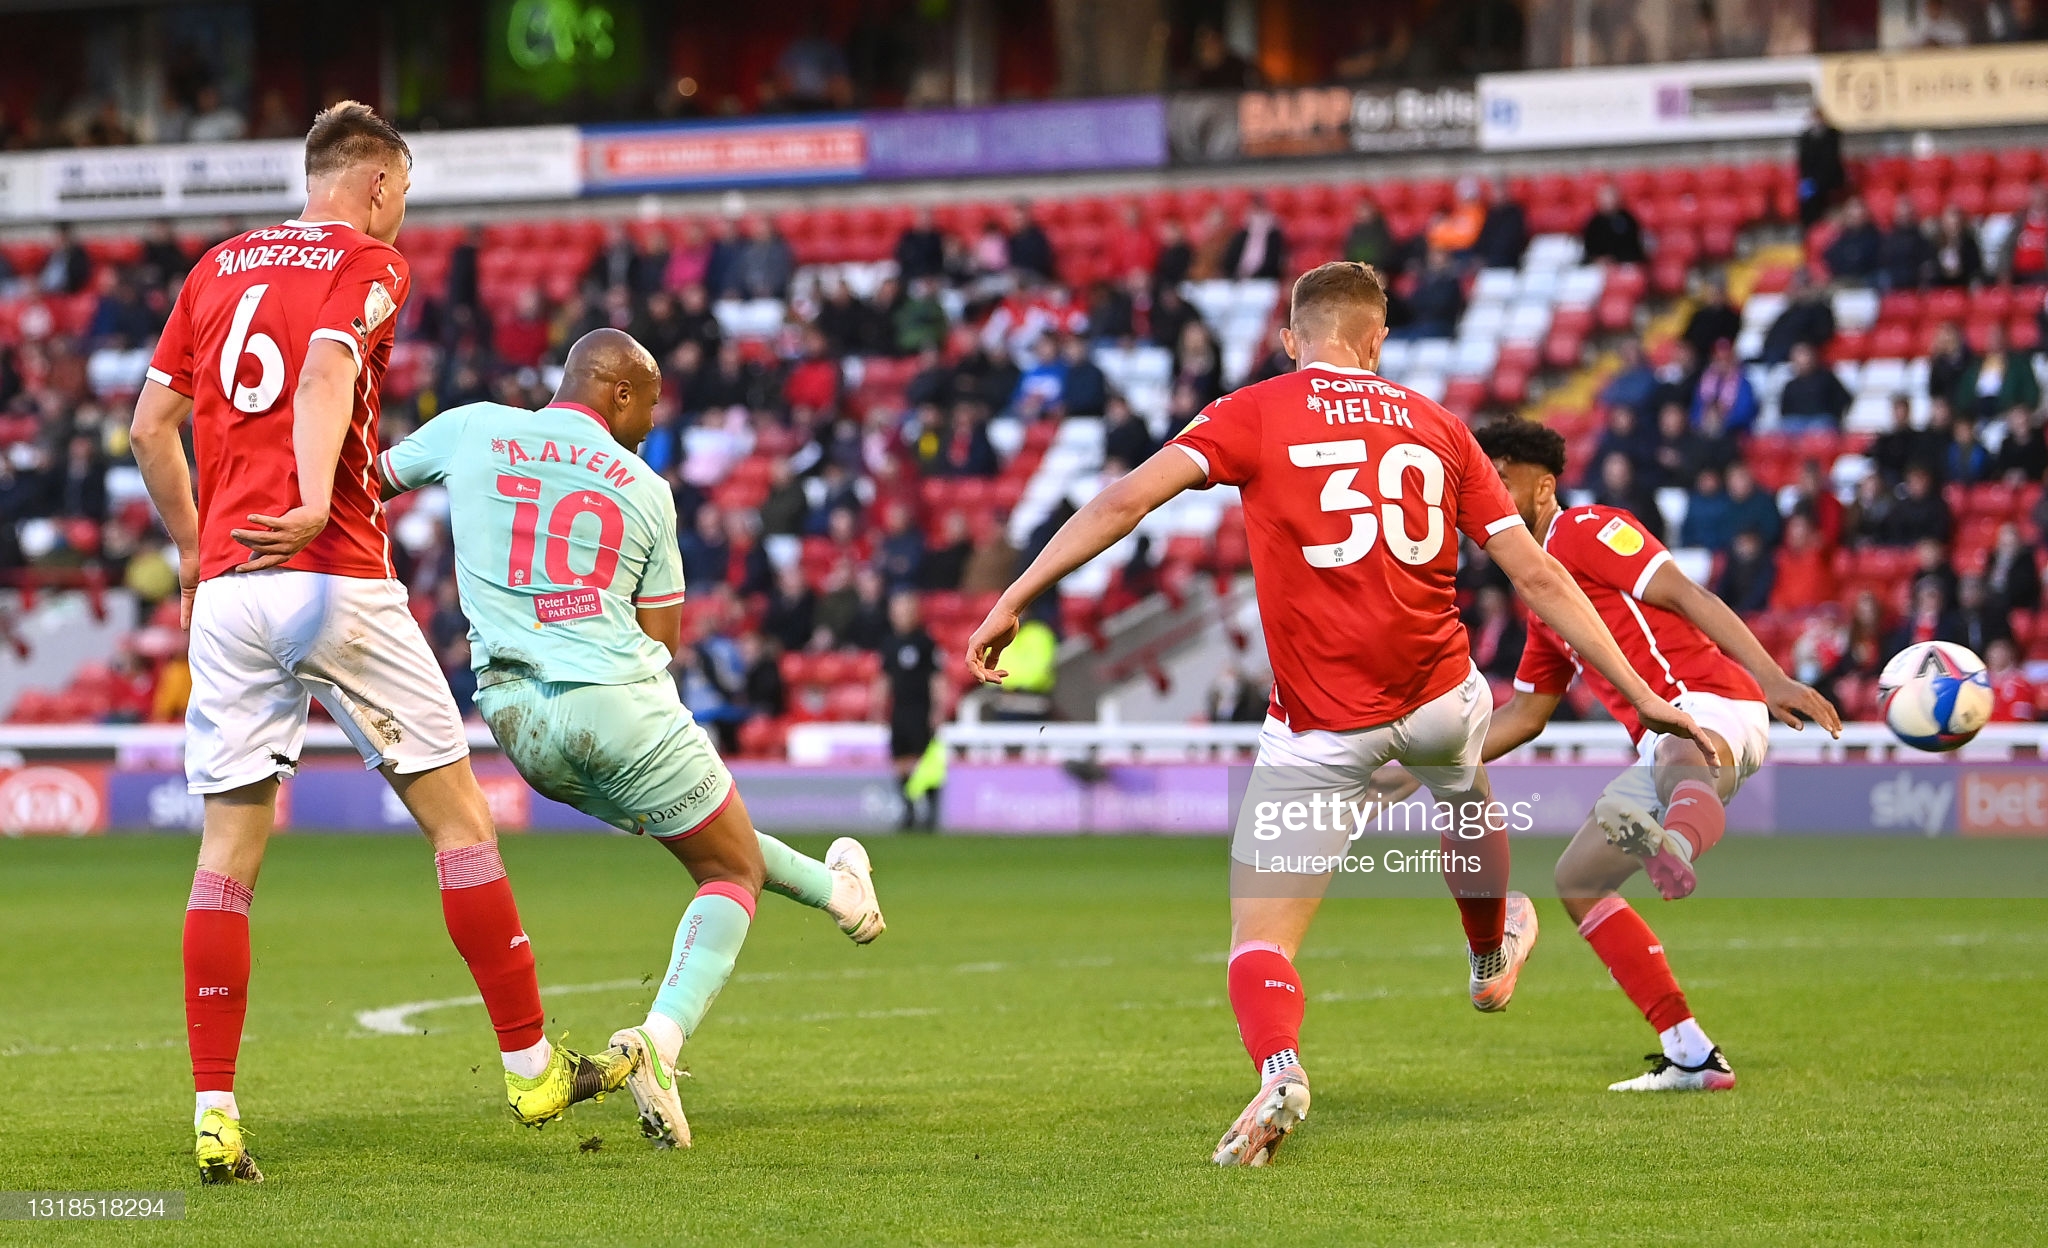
x: 216, y: 955
x: 1667, y: 813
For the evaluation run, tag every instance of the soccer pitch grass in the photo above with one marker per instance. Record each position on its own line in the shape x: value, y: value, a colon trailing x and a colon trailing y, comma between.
x: 1037, y: 1051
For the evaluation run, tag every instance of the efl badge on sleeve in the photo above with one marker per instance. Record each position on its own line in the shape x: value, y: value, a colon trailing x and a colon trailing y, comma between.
x: 1621, y: 537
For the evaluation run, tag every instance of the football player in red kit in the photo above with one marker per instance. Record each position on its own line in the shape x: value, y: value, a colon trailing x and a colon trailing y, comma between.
x: 1355, y: 489
x: 274, y: 351
x: 1666, y: 811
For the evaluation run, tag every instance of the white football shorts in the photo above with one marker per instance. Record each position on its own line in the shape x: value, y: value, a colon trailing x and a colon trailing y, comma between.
x: 1745, y: 726
x: 264, y: 642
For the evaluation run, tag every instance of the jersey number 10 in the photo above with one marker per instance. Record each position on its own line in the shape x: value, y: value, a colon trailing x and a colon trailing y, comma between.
x: 611, y: 529
x: 1366, y: 529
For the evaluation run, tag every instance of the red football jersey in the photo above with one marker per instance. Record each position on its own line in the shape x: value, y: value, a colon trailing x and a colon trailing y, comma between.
x: 1355, y: 489
x: 1612, y: 558
x: 235, y: 342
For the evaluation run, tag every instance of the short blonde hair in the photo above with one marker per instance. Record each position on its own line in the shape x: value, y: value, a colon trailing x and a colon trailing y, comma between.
x: 347, y: 133
x: 1330, y: 296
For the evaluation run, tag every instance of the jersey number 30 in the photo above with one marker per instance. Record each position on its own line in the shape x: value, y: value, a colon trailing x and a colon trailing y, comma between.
x: 1366, y: 528
x: 571, y: 507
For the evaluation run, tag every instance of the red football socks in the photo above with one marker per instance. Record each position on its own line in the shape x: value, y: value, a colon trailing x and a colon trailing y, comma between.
x: 483, y: 921
x: 1696, y: 813
x: 1265, y: 994
x: 216, y: 977
x: 1482, y: 894
x: 1636, y: 960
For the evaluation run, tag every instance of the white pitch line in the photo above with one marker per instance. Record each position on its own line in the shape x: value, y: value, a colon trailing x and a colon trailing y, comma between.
x: 396, y: 1020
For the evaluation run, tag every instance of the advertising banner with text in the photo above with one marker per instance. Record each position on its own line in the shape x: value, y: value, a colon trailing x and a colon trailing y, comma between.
x: 1647, y: 104
x: 1220, y: 128
x: 1997, y: 85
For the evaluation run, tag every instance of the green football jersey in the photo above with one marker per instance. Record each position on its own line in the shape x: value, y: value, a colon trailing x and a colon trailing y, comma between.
x: 560, y: 532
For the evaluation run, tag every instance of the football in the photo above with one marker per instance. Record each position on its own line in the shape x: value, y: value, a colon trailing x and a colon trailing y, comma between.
x: 1935, y: 695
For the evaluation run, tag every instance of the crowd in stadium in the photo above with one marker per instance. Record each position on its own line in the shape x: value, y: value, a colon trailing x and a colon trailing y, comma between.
x: 845, y: 457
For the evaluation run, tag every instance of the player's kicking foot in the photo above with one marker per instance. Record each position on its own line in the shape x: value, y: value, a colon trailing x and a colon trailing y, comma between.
x: 221, y: 1152
x: 654, y: 1085
x: 570, y: 1077
x: 1665, y: 1075
x: 1265, y: 1123
x: 853, y: 903
x: 1494, y: 975
x: 1667, y: 859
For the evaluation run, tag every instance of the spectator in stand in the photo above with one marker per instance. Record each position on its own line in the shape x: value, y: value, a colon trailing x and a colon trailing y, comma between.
x: 783, y: 511
x: 1169, y: 317
x: 1978, y: 620
x: 1955, y: 258
x: 721, y: 267
x: 1258, y: 249
x: 1813, y: 398
x: 1504, y: 235
x: 1633, y: 385
x: 1998, y: 380
x: 1624, y: 437
x: 1805, y: 576
x: 1964, y: 460
x: 1084, y: 391
x: 813, y: 73
x: 1129, y: 244
x: 1748, y: 574
x: 1934, y: 564
x: 1751, y: 510
x: 919, y: 321
x: 619, y: 264
x: 814, y: 382
x: 1864, y: 519
x: 1678, y: 379
x: 1369, y: 241
x: 964, y: 449
x: 1211, y: 240
x: 1902, y: 446
x: 1812, y: 497
x: 1948, y: 358
x: 1861, y: 655
x: 1619, y: 486
x: 706, y: 554
x: 1439, y: 299
x: 1853, y: 256
x: 1724, y: 393
x: 920, y: 249
x: 463, y: 268
x: 993, y: 563
x: 1680, y: 451
x: 1905, y: 257
x: 1217, y: 67
x: 2024, y: 257
x: 765, y: 692
x: 1821, y: 175
x: 1920, y: 512
x: 1038, y: 390
x: 2011, y: 575
x: 2016, y: 21
x: 2014, y: 699
x: 764, y: 265
x: 68, y: 269
x: 1922, y: 623
x: 1176, y: 257
x: 791, y: 611
x: 944, y: 564
x: 1937, y: 26
x: 164, y: 258
x: 2022, y: 453
x: 214, y: 120
x: 1234, y: 698
x: 1612, y: 232
x: 1709, y: 518
x: 1029, y: 250
x: 1198, y: 363
x: 1124, y: 435
x: 1456, y: 232
x: 1496, y: 633
x: 1809, y: 317
x: 120, y: 314
x: 1713, y: 318
x: 689, y: 257
x: 79, y: 486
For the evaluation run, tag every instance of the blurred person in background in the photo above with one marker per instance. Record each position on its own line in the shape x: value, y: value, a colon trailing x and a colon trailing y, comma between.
x: 2011, y: 574
x: 2014, y: 698
x: 1612, y: 233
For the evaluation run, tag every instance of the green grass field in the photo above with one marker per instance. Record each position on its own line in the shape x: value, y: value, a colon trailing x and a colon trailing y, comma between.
x: 1037, y: 1051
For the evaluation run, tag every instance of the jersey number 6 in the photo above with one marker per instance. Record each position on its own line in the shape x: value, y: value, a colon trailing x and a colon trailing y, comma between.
x: 270, y: 383
x: 1340, y: 496
x: 611, y: 528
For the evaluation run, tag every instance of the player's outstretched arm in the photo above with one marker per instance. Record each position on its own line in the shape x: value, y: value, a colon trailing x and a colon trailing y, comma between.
x: 1791, y: 702
x: 1106, y: 520
x: 321, y: 407
x: 160, y: 413
x: 1558, y: 601
x: 1517, y: 723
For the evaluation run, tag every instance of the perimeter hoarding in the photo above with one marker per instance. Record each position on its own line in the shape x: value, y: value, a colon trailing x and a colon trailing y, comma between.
x: 1999, y: 85
x: 1221, y: 128
x: 1647, y: 104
